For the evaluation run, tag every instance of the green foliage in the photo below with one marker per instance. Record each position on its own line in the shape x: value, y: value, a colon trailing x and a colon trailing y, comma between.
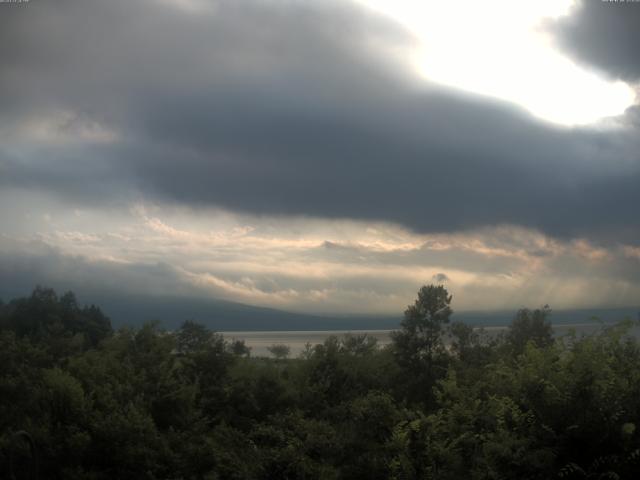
x: 279, y: 350
x: 239, y: 348
x: 79, y: 401
x: 64, y: 327
x: 418, y: 346
x: 530, y: 326
x: 421, y: 336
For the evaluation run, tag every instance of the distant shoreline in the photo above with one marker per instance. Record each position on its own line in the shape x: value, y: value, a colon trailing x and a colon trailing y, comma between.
x: 383, y: 330
x: 259, y: 341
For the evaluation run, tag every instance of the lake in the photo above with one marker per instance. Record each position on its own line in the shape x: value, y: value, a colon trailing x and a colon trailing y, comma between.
x: 297, y: 340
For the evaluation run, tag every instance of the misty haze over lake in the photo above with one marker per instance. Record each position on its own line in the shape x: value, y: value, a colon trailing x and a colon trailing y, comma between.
x: 297, y: 341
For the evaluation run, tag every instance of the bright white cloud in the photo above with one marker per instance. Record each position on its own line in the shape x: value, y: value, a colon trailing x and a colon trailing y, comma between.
x: 499, y: 48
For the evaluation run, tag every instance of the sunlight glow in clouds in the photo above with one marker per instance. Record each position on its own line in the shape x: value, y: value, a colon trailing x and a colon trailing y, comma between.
x: 499, y: 48
x: 307, y: 265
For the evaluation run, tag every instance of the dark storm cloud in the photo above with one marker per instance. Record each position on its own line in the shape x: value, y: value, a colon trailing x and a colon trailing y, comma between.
x: 605, y: 35
x: 291, y: 108
x: 37, y: 263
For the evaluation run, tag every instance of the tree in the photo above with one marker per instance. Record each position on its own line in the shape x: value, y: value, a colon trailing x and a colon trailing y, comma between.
x: 58, y: 322
x: 463, y: 338
x: 359, y: 345
x: 192, y: 337
x: 418, y: 347
x: 279, y: 350
x: 239, y: 348
x: 421, y: 335
x: 530, y: 326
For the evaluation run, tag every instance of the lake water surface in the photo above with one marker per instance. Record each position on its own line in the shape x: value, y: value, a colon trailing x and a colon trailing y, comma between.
x: 297, y: 340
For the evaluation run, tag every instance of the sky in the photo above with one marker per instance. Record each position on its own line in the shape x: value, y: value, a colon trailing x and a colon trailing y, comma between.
x: 322, y: 156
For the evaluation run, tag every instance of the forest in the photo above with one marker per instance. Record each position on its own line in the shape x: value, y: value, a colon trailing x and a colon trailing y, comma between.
x: 79, y: 400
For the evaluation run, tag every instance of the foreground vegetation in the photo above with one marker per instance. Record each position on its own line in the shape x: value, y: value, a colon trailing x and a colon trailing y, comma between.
x: 78, y: 400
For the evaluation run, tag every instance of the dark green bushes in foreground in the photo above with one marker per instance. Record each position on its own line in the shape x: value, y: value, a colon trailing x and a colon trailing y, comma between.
x: 80, y: 401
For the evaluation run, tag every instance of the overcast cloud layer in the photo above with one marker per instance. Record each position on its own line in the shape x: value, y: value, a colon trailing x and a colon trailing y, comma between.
x: 310, y: 265
x: 605, y: 35
x: 289, y: 112
x: 286, y: 108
